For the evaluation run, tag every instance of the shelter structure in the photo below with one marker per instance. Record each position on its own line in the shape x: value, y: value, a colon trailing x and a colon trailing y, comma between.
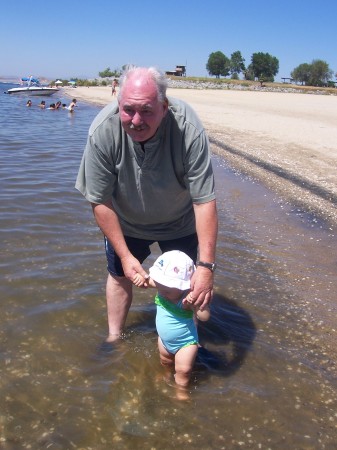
x: 180, y: 71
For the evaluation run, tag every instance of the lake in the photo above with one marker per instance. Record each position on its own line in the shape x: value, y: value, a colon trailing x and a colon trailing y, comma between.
x: 268, y: 379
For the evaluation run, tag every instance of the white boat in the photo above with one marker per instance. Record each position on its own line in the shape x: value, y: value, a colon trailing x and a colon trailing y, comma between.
x: 31, y: 86
x: 33, y: 90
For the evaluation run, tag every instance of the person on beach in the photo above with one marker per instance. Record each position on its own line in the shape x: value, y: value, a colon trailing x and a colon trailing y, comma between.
x: 114, y: 87
x: 175, y: 319
x: 146, y: 170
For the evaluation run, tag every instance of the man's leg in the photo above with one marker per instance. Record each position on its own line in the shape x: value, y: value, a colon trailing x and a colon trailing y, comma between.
x: 118, y: 287
x: 119, y: 298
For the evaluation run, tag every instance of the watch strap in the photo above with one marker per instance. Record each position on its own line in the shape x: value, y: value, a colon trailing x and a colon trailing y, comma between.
x: 210, y: 266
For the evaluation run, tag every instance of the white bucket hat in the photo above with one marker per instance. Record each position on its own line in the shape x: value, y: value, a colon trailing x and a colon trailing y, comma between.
x: 173, y: 269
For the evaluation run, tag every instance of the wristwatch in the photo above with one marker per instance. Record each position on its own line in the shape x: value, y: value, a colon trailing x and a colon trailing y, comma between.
x: 210, y: 266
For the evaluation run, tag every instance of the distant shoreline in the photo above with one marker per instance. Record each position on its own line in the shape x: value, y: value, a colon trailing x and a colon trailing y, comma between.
x: 242, y: 85
x: 9, y: 80
x: 223, y: 83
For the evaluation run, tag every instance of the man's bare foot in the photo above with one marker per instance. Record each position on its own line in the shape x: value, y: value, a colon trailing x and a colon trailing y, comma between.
x: 113, y: 337
x: 109, y: 345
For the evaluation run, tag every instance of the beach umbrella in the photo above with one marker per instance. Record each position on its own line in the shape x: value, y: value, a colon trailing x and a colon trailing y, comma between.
x: 58, y: 82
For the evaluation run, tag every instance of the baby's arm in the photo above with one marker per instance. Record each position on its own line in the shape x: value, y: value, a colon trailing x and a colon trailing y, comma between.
x: 201, y: 315
x: 140, y: 281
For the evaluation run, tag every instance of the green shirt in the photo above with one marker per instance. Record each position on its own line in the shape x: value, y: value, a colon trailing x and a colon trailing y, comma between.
x: 153, y: 188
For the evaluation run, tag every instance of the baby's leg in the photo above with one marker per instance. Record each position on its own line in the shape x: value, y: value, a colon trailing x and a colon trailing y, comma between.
x: 166, y: 358
x: 184, y: 362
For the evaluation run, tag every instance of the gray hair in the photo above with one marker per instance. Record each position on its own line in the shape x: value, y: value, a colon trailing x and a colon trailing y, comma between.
x: 157, y: 76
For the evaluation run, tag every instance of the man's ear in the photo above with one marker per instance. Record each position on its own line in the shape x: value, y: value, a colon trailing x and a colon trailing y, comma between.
x: 165, y: 106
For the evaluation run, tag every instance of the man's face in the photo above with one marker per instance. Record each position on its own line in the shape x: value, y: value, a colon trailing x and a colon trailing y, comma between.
x: 140, y: 111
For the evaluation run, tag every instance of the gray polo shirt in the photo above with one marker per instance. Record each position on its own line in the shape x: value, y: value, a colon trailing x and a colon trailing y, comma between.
x: 153, y: 188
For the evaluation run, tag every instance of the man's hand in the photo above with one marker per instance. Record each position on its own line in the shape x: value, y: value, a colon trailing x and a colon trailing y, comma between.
x: 201, y: 288
x: 132, y: 268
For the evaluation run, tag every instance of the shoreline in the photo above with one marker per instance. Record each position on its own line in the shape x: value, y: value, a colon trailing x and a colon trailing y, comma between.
x: 286, y: 141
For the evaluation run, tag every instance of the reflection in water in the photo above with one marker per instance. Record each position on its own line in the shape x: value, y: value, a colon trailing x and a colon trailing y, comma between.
x: 266, y: 375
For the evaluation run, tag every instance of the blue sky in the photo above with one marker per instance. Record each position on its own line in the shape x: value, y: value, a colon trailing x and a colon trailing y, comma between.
x: 80, y: 39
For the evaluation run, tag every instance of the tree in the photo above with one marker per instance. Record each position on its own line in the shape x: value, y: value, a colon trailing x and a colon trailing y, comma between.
x: 264, y: 66
x: 248, y: 73
x: 107, y: 73
x: 320, y: 73
x: 317, y: 73
x: 218, y: 64
x: 237, y: 64
x: 301, y: 73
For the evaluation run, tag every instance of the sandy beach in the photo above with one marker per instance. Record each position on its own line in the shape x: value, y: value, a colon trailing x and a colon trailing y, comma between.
x: 287, y: 141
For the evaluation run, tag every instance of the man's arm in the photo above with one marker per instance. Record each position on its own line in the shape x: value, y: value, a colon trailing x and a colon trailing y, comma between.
x: 207, y: 230
x: 108, y: 222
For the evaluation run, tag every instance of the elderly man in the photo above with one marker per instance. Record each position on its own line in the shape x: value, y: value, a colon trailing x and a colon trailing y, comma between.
x: 147, y: 172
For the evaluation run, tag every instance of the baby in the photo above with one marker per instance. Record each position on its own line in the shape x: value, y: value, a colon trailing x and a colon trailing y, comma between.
x: 175, y: 320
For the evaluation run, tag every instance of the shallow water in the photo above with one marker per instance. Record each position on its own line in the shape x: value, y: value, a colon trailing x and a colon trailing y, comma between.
x: 271, y: 381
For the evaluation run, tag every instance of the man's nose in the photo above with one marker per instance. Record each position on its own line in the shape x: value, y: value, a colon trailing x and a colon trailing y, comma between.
x: 137, y: 119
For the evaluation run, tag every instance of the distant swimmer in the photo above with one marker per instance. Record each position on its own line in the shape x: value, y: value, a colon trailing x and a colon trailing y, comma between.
x: 29, y: 103
x: 42, y: 105
x: 72, y: 105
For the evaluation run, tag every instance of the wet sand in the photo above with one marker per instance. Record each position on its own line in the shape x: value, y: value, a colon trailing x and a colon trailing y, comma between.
x: 286, y: 141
